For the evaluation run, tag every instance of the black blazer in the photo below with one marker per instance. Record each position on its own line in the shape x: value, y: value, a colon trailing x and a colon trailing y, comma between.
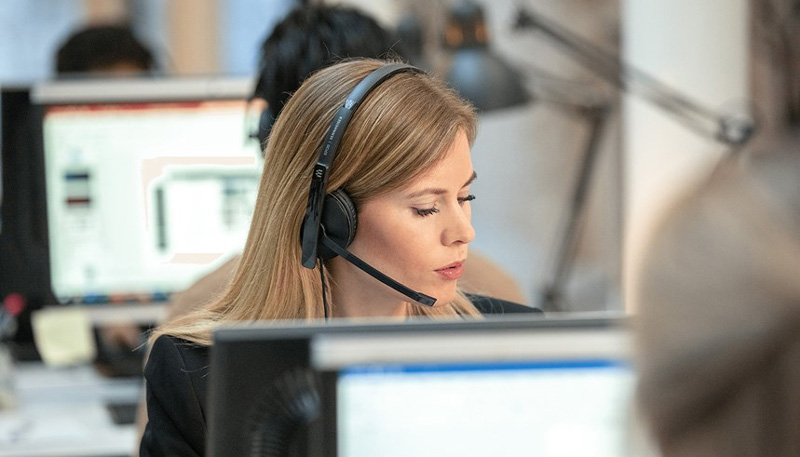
x: 176, y: 385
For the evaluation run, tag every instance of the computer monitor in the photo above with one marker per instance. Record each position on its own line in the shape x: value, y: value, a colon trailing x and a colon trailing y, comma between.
x: 150, y: 183
x: 23, y: 221
x: 503, y: 386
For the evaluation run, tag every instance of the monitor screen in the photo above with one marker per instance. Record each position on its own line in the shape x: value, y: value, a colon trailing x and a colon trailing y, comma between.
x: 528, y: 407
x: 503, y: 386
x: 150, y: 184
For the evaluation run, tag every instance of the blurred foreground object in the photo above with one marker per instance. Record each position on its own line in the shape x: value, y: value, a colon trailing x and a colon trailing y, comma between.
x: 719, y: 326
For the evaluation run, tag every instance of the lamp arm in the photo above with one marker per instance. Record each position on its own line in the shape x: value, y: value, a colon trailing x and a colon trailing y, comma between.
x: 552, y: 298
x: 725, y: 129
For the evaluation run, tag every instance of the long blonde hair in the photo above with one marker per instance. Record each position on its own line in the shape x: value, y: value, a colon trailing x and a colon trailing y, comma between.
x: 403, y: 127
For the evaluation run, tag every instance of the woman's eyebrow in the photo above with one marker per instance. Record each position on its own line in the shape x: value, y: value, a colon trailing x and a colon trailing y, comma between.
x: 471, y: 178
x: 439, y: 191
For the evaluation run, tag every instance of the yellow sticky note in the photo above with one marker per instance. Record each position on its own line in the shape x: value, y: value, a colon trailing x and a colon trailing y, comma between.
x: 64, y: 336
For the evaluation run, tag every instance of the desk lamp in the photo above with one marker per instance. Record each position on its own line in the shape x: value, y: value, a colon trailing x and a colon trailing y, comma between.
x: 731, y: 131
x: 477, y: 73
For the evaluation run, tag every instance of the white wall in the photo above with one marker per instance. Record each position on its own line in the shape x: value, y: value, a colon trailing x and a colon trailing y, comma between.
x: 527, y: 159
x: 700, y: 48
x: 30, y: 33
x: 387, y: 12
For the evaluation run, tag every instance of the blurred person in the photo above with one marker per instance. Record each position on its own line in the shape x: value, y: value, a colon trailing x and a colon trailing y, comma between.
x: 719, y: 320
x: 103, y: 50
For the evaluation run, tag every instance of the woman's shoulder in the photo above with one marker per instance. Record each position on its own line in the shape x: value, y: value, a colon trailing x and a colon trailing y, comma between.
x: 175, y: 377
x: 172, y: 351
x: 491, y: 305
x: 177, y: 364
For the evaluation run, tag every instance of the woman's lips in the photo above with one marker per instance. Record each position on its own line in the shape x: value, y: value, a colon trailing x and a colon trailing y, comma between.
x: 452, y: 272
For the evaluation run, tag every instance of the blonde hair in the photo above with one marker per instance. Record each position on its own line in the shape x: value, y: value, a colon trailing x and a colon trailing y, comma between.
x: 403, y: 127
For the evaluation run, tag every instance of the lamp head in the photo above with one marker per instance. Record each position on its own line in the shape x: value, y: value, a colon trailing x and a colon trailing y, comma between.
x: 479, y: 75
x: 466, y: 27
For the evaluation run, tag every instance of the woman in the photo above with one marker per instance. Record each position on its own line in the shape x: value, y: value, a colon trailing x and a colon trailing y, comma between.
x: 404, y: 162
x: 310, y: 38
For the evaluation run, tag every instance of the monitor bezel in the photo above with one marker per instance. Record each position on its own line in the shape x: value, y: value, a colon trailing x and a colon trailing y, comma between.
x: 139, y: 90
x: 302, y: 343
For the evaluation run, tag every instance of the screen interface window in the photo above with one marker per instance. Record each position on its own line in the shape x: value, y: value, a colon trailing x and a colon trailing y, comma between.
x: 144, y: 198
x: 548, y: 409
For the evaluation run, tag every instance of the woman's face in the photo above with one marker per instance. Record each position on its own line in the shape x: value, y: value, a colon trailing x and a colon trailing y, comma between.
x: 419, y: 234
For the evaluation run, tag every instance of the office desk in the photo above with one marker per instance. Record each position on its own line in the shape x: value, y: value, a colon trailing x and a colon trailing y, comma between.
x: 62, y: 412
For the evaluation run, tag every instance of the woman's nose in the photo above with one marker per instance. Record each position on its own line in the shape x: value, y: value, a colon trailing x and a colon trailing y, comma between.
x: 459, y: 229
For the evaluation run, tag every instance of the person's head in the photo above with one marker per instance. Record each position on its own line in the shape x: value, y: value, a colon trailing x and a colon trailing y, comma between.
x: 310, y: 38
x: 103, y: 50
x: 411, y: 134
x: 720, y: 312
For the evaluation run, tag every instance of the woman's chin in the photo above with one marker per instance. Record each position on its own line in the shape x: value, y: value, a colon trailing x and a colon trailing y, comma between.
x: 444, y: 297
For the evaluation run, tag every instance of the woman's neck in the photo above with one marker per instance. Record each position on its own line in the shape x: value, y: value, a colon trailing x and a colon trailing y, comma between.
x: 356, y: 294
x: 355, y: 309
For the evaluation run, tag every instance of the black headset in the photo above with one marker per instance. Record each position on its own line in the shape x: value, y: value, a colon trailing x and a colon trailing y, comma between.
x: 330, y: 222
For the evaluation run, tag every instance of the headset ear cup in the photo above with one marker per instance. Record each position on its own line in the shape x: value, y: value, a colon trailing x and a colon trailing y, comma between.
x: 340, y: 220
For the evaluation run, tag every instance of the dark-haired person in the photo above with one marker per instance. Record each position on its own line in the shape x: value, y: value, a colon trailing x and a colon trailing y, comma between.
x: 103, y: 50
x: 311, y: 38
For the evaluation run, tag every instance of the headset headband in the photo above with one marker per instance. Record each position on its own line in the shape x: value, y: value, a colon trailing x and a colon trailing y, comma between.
x: 319, y: 178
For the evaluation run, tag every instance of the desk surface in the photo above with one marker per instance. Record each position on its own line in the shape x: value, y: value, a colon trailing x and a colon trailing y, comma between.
x: 62, y: 412
x: 141, y: 313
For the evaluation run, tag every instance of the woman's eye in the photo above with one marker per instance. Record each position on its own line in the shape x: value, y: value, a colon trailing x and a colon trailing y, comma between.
x: 468, y: 198
x: 426, y: 211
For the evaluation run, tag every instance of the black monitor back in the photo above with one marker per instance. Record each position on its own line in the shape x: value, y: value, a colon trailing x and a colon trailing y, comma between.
x: 23, y: 237
x: 268, y: 397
